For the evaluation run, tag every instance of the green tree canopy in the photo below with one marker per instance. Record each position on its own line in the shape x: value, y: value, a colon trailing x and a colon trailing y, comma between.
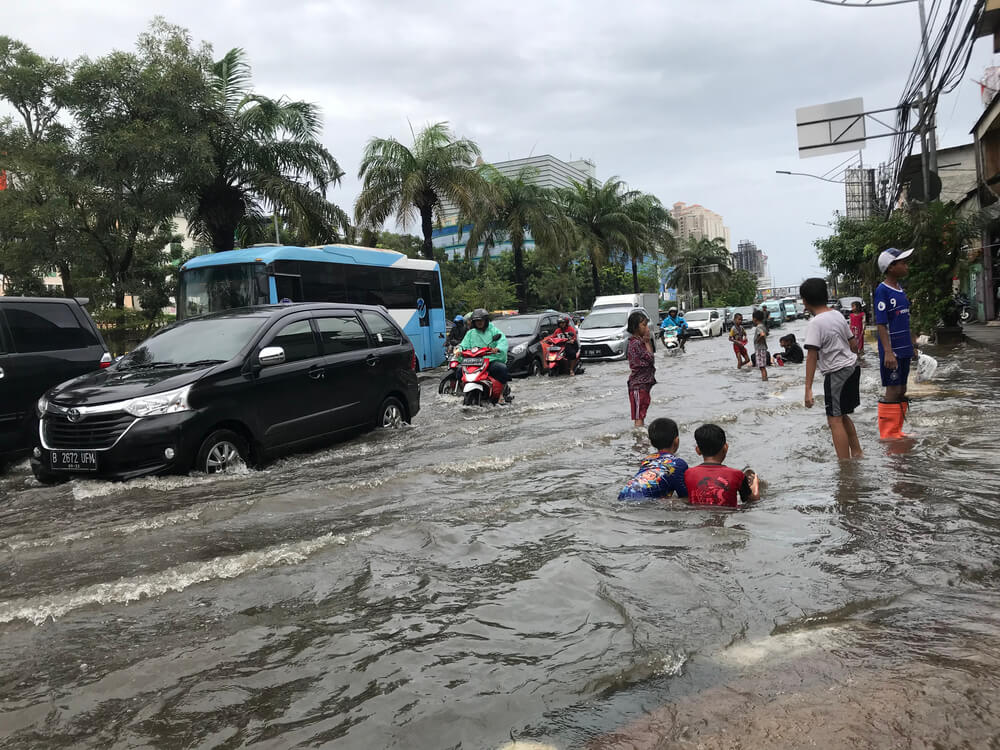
x: 691, y: 265
x: 398, y: 181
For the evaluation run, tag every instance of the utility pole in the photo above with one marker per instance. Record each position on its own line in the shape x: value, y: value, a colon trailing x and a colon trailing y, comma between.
x: 930, y: 145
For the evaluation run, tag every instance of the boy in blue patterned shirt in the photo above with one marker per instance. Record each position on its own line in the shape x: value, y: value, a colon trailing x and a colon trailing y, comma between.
x: 660, y: 473
x: 895, y: 341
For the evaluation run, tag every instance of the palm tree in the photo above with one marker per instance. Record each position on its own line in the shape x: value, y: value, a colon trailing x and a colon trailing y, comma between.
x: 689, y: 265
x: 400, y: 180
x: 266, y: 159
x: 654, y: 235
x: 600, y: 218
x: 514, y: 208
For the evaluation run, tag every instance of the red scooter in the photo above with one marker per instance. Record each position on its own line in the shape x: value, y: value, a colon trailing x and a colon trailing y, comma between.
x: 478, y: 386
x: 450, y: 383
x: 554, y: 359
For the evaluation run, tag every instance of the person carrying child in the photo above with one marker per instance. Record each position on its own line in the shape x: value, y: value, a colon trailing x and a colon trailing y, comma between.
x: 662, y: 473
x: 760, y: 343
x: 642, y: 365
x: 739, y: 338
x: 832, y: 348
x: 713, y: 483
x: 857, y: 322
x: 793, y: 354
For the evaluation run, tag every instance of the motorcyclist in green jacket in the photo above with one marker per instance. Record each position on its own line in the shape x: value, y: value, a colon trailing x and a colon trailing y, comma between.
x: 484, y: 334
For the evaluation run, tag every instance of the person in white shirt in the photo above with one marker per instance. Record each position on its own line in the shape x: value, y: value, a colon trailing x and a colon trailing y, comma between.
x: 831, y: 347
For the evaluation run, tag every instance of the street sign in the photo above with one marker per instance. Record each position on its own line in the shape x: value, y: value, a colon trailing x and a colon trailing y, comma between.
x: 830, y: 128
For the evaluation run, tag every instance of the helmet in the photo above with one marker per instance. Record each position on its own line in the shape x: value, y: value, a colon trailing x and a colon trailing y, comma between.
x: 564, y: 319
x: 480, y: 314
x: 459, y: 319
x: 672, y: 309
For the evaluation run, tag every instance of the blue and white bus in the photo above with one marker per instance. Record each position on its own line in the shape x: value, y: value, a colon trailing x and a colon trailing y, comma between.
x: 409, y: 289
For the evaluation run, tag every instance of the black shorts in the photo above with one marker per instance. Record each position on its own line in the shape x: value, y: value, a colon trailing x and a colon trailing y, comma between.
x: 841, y: 391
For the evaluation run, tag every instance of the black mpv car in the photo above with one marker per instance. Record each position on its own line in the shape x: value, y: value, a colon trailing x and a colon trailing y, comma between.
x: 43, y: 341
x: 243, y: 384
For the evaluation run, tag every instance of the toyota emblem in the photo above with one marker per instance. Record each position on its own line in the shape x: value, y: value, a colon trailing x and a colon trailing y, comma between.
x: 74, y: 415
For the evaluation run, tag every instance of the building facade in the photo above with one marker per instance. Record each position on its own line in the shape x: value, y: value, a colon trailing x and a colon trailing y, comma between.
x: 748, y: 257
x: 547, y: 171
x: 698, y: 222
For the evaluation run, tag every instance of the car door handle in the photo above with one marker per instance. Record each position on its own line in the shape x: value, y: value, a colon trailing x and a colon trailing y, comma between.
x: 371, y: 360
x: 317, y: 373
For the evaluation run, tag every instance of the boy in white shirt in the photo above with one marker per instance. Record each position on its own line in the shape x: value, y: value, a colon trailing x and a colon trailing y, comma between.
x: 830, y: 345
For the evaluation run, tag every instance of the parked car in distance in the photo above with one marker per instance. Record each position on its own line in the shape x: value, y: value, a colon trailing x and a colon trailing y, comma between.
x: 240, y: 385
x: 792, y: 311
x: 777, y: 313
x: 43, y: 341
x: 844, y: 305
x: 524, y: 340
x: 747, y: 312
x: 728, y: 321
x: 704, y: 323
x: 604, y: 333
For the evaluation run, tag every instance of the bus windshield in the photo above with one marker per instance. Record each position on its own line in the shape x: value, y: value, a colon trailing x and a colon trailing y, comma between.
x: 213, y: 288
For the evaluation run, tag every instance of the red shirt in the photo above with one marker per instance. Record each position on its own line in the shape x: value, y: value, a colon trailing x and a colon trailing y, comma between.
x: 715, y: 484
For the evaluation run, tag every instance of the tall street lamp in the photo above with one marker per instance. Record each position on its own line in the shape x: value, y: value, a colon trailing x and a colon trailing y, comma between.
x: 806, y: 174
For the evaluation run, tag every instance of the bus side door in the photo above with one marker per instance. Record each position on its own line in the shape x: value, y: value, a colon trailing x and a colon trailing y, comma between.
x: 425, y: 347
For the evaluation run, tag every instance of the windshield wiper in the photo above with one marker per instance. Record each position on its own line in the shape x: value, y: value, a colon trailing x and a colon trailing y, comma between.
x: 204, y: 362
x: 147, y: 365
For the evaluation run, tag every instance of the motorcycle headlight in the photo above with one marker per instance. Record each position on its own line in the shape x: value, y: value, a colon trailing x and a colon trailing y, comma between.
x: 42, y: 405
x: 519, y: 349
x: 169, y: 402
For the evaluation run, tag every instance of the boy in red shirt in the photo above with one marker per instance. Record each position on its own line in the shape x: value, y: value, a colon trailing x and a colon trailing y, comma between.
x: 711, y: 483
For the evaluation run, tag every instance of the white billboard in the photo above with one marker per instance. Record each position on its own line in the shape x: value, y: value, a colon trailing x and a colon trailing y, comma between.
x: 831, y: 128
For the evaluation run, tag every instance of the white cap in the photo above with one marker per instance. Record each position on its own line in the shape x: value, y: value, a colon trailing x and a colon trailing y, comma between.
x: 890, y: 256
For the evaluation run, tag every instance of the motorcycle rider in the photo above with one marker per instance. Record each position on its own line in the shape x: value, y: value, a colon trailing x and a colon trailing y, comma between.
x: 565, y: 328
x: 457, y: 333
x: 484, y: 334
x: 673, y: 319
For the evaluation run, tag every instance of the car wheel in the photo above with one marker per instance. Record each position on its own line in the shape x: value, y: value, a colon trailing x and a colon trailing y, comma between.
x: 535, y: 368
x: 221, y: 453
x: 391, y: 414
x: 47, y: 477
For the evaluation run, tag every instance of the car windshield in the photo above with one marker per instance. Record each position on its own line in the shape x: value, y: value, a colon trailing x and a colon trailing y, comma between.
x: 614, y: 319
x: 517, y: 326
x: 697, y: 315
x: 744, y: 311
x: 194, y: 341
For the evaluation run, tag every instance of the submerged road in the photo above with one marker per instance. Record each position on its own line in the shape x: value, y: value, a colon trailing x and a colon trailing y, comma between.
x: 471, y: 579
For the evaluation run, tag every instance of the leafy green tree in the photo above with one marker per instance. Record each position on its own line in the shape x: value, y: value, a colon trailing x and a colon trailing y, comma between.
x: 689, y: 272
x: 851, y: 251
x: 487, y: 290
x: 398, y: 181
x: 740, y: 289
x: 654, y: 234
x: 513, y: 208
x: 407, y: 244
x: 600, y: 220
x: 265, y: 158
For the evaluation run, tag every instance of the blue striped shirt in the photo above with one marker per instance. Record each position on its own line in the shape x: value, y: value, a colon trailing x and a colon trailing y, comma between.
x: 892, y: 310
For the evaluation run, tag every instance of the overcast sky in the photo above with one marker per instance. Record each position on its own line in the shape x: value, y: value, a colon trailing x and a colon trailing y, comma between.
x: 691, y: 100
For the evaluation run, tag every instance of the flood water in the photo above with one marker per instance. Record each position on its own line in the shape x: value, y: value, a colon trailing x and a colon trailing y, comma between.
x: 471, y: 580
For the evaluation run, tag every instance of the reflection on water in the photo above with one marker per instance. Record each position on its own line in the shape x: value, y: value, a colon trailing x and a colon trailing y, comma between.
x: 472, y: 580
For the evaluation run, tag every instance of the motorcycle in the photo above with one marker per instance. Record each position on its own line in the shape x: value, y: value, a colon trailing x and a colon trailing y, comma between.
x: 671, y: 341
x: 477, y: 383
x: 964, y: 307
x: 449, y: 383
x: 554, y: 360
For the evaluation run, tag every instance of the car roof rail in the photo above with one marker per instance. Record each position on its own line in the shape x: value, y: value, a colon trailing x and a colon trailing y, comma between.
x: 82, y: 301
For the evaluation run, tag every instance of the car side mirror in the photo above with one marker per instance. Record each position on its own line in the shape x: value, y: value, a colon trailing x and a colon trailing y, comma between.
x: 271, y: 355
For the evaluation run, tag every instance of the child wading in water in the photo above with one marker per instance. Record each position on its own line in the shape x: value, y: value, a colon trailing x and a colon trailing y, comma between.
x: 857, y: 321
x: 760, y: 342
x: 642, y: 364
x: 739, y: 338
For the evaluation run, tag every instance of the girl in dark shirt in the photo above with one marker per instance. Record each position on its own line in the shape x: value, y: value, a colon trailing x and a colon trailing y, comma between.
x: 793, y: 352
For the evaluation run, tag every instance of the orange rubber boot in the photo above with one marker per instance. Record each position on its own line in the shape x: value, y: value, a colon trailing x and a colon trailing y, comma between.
x: 890, y: 421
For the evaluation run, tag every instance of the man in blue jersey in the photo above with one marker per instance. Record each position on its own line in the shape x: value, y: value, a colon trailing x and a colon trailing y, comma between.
x: 895, y: 341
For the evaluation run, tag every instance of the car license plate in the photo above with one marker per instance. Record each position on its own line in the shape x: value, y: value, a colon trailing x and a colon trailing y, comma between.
x: 73, y: 460
x: 592, y: 351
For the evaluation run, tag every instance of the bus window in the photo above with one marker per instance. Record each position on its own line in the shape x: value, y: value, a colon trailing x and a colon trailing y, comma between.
x: 288, y: 287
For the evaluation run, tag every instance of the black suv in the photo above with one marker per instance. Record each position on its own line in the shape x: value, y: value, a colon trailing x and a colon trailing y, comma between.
x: 524, y: 340
x: 43, y: 341
x: 236, y: 386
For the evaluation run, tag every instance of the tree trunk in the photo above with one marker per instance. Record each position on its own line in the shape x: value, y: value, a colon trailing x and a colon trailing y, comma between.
x: 701, y: 299
x: 427, y: 225
x: 519, y: 285
x: 594, y: 277
x: 635, y: 277
x: 66, y: 274
x: 222, y: 208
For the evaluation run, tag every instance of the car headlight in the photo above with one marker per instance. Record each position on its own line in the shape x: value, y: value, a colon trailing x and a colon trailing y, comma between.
x: 42, y: 405
x: 169, y: 402
x: 620, y: 336
x: 519, y: 349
